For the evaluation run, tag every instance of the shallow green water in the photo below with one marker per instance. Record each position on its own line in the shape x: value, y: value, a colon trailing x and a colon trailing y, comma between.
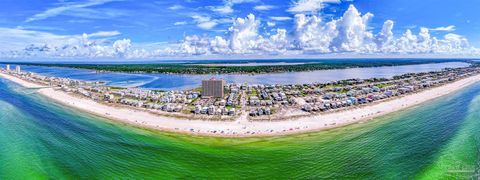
x: 40, y: 139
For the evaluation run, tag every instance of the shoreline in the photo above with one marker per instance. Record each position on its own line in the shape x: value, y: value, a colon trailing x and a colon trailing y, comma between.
x: 242, y: 127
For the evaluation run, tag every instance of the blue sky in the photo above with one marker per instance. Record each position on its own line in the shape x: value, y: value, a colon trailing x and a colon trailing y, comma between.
x: 164, y: 23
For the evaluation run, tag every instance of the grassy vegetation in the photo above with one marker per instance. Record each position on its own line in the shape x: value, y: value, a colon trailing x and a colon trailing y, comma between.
x: 383, y: 85
x: 230, y: 107
x: 332, y: 86
x: 115, y: 88
x: 253, y: 93
x: 303, y: 93
x: 212, y: 69
x: 199, y: 89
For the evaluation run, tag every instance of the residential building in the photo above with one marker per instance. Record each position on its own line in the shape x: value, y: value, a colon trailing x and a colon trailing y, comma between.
x: 213, y: 88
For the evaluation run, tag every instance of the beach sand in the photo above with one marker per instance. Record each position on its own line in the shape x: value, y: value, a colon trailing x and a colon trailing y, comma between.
x: 20, y: 81
x: 242, y: 127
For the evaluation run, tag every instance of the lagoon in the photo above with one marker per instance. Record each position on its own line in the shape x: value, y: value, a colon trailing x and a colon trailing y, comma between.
x: 183, y: 82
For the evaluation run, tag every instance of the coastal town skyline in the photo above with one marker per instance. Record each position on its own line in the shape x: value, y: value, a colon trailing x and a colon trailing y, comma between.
x: 96, y: 29
x: 249, y: 110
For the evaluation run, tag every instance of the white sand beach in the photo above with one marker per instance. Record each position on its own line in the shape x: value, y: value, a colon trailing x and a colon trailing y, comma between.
x: 242, y: 127
x: 20, y: 81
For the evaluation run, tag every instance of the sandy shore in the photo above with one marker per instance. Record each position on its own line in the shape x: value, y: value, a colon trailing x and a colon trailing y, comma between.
x: 20, y: 81
x: 243, y: 127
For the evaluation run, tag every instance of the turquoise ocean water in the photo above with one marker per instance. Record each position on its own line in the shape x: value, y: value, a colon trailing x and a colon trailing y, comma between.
x: 40, y: 139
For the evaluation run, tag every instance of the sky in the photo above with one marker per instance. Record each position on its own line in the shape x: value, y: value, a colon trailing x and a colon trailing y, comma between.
x: 141, y: 29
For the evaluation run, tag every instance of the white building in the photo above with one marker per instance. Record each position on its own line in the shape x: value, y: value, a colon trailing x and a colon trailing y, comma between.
x: 8, y: 67
x: 17, y: 69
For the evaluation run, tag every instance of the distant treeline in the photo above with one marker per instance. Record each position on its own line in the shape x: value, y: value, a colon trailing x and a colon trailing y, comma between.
x: 225, y: 69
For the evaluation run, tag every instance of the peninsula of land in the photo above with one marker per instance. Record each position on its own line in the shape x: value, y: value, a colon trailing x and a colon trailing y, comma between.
x: 257, y: 110
x: 224, y: 67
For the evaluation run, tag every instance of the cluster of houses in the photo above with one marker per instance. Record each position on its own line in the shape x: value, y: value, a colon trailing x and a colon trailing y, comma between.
x: 214, y: 110
x: 64, y: 83
x: 261, y: 111
x: 370, y: 91
x: 171, y: 101
x: 258, y: 100
x: 319, y: 97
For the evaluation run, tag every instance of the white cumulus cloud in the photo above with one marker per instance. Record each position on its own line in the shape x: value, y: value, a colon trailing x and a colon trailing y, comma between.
x: 30, y: 43
x: 303, y: 6
x: 353, y: 34
x: 313, y: 36
x: 243, y: 34
x: 309, y: 35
